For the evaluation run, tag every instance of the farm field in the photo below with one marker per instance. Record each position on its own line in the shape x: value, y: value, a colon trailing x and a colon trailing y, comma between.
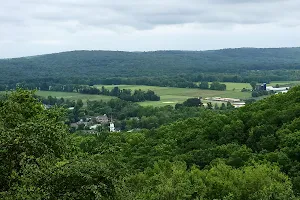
x: 239, y: 86
x: 74, y: 96
x: 171, y: 96
x: 285, y: 83
x: 71, y: 95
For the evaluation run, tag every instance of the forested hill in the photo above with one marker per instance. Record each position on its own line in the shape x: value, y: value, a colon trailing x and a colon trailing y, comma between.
x: 108, y: 64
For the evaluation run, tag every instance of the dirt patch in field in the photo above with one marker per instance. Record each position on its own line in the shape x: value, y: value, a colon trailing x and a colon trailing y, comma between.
x: 169, y: 102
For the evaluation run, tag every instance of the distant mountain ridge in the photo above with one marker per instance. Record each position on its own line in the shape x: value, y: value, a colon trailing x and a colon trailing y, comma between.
x: 108, y: 64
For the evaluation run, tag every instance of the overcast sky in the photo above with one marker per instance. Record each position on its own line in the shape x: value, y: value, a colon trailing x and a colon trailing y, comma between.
x: 30, y: 27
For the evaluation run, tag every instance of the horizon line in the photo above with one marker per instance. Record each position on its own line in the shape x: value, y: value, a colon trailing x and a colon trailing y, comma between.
x: 149, y: 51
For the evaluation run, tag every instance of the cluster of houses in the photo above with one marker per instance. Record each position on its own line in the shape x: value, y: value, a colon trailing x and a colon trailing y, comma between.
x: 231, y: 100
x: 94, y: 122
x: 237, y: 103
x: 279, y: 90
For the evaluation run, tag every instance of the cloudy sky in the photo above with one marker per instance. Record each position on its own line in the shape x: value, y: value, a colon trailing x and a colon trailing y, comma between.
x: 30, y: 27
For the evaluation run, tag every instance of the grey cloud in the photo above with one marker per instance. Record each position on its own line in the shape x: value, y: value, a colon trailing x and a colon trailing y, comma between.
x: 139, y: 14
x: 72, y: 23
x: 10, y: 20
x: 245, y: 1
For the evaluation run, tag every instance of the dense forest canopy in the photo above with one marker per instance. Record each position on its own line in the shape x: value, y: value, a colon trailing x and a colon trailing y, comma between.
x: 80, y: 65
x: 244, y: 154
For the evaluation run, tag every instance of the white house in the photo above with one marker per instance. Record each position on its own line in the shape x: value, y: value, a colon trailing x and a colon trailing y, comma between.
x: 94, y: 127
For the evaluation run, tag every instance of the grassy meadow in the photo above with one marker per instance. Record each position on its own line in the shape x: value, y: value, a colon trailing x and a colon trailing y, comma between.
x: 239, y: 86
x: 71, y: 95
x: 171, y: 96
x: 168, y: 95
x: 74, y: 95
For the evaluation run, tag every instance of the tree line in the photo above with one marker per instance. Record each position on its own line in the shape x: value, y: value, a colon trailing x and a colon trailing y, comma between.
x: 89, y: 89
x: 213, y: 86
x: 161, y: 68
x: 97, y: 65
x: 124, y: 94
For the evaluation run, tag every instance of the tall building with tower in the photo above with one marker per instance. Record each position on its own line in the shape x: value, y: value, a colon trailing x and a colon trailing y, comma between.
x: 264, y: 86
x: 112, y: 125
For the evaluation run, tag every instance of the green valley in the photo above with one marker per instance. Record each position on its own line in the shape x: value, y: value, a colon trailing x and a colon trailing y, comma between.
x: 248, y: 153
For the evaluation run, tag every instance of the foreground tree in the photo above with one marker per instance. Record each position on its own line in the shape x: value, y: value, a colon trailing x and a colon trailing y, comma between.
x: 28, y: 132
x: 168, y: 180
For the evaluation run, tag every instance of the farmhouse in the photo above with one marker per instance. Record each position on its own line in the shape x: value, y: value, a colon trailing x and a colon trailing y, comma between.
x: 94, y: 127
x: 74, y: 125
x: 102, y: 119
x: 83, y: 122
x: 46, y: 106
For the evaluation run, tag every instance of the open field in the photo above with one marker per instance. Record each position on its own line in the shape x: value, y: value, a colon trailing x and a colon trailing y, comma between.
x: 74, y: 96
x: 239, y: 86
x: 169, y: 95
x: 71, y: 95
x: 285, y: 83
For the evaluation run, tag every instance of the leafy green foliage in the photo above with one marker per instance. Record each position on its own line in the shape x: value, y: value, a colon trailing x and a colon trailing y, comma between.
x: 83, y: 178
x: 125, y: 94
x: 174, y: 181
x: 217, y: 86
x: 204, y: 85
x: 249, y: 153
x: 131, y: 116
x: 28, y: 131
x: 160, y: 68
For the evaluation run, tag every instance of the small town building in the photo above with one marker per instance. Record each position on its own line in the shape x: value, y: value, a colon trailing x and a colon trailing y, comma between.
x: 74, y: 125
x: 282, y: 92
x: 102, y: 119
x: 239, y: 104
x: 280, y: 89
x: 94, y: 127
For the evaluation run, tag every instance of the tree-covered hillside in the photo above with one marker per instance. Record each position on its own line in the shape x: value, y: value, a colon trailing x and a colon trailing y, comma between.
x: 245, y: 154
x: 80, y: 65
